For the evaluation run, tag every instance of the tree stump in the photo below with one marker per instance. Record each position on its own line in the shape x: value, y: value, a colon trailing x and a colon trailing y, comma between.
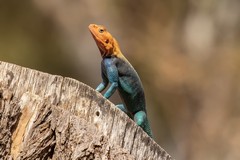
x: 45, y: 116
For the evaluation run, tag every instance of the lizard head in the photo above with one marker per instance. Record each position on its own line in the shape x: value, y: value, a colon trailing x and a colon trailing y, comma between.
x: 104, y: 40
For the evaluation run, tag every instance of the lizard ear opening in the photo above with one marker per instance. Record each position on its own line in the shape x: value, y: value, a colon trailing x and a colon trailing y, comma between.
x: 107, y: 41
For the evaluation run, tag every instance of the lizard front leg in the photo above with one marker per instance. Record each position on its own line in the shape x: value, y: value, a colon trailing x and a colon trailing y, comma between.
x: 101, y: 86
x: 105, y: 81
x: 112, y: 76
x: 111, y: 90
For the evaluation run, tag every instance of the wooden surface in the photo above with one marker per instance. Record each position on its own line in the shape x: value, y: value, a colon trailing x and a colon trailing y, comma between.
x: 51, y: 117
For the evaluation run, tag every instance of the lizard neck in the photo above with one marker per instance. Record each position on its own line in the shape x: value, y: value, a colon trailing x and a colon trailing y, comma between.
x: 116, y: 50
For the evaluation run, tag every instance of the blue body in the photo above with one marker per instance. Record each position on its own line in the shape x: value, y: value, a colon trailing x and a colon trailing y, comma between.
x: 123, y: 77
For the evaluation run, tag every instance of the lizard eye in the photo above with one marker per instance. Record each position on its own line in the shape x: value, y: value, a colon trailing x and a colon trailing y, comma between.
x: 106, y: 41
x: 101, y: 30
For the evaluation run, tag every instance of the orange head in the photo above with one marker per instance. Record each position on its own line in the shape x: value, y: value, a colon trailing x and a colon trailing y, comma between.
x: 106, y: 43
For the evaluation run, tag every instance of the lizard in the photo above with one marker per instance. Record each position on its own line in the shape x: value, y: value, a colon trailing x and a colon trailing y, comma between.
x: 117, y: 70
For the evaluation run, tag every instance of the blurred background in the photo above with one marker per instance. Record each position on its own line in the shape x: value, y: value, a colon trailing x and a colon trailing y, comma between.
x: 186, y: 52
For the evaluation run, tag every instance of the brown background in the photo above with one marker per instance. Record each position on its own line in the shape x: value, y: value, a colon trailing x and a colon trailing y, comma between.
x: 186, y: 52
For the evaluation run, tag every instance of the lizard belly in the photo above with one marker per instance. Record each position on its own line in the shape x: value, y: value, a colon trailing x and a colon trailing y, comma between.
x: 130, y: 86
x: 132, y: 94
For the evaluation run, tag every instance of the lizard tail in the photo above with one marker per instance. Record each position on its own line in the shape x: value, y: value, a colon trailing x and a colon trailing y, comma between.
x: 147, y: 129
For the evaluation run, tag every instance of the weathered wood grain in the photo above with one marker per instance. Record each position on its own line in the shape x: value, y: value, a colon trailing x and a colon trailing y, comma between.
x: 51, y: 117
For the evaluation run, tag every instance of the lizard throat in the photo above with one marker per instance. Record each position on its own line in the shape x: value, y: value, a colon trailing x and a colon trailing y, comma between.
x: 104, y: 51
x: 102, y: 48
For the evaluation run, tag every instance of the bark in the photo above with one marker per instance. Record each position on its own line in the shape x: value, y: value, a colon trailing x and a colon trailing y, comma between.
x: 45, y: 116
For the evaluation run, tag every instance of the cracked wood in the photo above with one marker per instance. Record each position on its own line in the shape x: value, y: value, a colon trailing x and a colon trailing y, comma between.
x: 50, y: 117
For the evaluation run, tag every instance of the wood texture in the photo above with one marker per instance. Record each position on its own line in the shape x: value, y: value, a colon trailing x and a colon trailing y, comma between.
x: 45, y: 116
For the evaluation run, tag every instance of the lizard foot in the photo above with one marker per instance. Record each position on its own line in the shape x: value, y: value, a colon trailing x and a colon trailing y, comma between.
x: 140, y: 118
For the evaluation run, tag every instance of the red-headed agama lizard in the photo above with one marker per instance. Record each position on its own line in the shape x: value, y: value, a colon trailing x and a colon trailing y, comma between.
x: 121, y: 75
